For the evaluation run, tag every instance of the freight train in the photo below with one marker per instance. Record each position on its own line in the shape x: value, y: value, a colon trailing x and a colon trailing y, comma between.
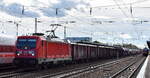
x: 36, y: 50
x: 7, y: 49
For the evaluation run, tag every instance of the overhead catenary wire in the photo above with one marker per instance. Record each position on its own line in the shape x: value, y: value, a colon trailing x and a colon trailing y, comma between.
x: 126, y: 6
x: 79, y: 19
x: 124, y: 13
x: 82, y: 20
x: 48, y: 6
x: 136, y: 2
x: 133, y: 20
x: 68, y: 27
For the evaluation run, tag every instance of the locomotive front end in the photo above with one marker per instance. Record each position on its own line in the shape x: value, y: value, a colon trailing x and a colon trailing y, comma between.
x: 26, y: 51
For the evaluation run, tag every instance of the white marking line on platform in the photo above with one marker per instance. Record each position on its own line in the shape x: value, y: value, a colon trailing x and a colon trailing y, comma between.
x: 141, y: 74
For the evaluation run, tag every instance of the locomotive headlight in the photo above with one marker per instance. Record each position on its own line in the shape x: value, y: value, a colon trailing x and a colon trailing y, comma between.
x: 31, y: 52
x: 19, y: 52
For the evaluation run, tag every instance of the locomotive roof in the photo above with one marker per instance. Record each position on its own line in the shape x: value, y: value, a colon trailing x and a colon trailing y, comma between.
x: 42, y: 38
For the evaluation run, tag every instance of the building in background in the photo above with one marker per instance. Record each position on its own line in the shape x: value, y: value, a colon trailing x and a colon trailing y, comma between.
x: 79, y: 39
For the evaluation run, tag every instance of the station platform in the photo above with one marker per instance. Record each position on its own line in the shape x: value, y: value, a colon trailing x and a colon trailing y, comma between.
x: 145, y: 70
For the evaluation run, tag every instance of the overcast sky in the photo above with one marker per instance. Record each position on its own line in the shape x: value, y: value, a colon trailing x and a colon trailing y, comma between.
x: 97, y: 25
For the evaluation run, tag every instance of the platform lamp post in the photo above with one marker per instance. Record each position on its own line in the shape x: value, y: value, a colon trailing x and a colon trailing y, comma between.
x: 17, y: 26
x: 35, y: 31
x: 65, y: 27
x: 65, y: 31
x: 36, y: 27
x: 2, y: 26
x: 17, y: 29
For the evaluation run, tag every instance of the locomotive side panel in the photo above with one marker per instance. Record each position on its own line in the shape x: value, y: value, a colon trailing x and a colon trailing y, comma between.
x: 56, y: 50
x: 42, y: 50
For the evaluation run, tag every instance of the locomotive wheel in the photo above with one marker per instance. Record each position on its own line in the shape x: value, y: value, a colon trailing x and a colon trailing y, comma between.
x: 44, y: 66
x: 38, y: 67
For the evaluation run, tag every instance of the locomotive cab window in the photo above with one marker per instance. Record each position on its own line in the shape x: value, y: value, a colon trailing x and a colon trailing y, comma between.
x: 26, y: 43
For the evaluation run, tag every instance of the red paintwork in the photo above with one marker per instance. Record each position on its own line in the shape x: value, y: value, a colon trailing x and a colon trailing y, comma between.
x: 47, y: 49
x: 54, y: 50
x: 7, y: 51
x: 7, y: 48
x: 7, y: 54
x: 25, y: 55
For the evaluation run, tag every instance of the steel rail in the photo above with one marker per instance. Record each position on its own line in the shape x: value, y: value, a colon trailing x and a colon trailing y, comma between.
x: 80, y: 70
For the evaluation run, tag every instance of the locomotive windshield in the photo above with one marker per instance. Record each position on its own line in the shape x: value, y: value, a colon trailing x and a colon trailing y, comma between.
x: 26, y: 43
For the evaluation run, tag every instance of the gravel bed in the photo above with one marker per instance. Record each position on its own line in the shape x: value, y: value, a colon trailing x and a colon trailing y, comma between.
x: 107, y: 71
x: 102, y: 72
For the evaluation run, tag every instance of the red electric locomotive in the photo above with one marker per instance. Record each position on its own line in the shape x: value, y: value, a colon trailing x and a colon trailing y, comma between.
x: 7, y: 49
x: 36, y: 50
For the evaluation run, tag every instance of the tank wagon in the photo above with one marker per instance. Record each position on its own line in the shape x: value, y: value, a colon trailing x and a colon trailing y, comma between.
x: 36, y: 50
x: 7, y: 49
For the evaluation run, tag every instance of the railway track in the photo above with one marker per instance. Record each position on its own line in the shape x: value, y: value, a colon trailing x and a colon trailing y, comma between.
x: 129, y: 70
x: 58, y: 69
x: 5, y: 68
x: 83, y: 70
x: 16, y: 72
x: 105, y: 70
x: 61, y: 68
x: 101, y: 69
